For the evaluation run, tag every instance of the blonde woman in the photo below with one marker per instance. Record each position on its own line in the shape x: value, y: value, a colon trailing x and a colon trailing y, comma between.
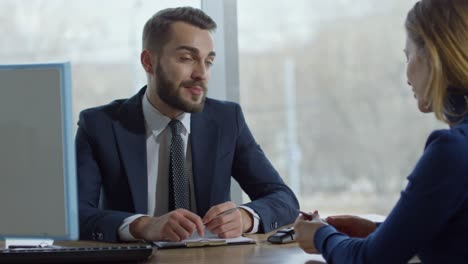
x: 431, y: 217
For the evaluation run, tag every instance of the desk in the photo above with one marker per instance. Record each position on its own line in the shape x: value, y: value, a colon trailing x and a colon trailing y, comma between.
x: 262, y: 252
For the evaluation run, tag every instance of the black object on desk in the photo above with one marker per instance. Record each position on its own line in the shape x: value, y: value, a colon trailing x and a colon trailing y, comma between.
x: 285, y: 235
x: 129, y: 254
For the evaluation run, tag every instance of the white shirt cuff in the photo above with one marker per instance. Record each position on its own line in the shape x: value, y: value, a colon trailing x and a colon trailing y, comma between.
x: 256, y: 219
x: 124, y: 229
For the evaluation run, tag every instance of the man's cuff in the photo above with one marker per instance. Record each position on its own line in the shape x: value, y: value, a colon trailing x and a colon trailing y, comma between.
x: 124, y: 228
x: 255, y: 217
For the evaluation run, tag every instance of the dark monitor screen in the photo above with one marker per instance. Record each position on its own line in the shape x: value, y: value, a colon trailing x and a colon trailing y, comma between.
x: 38, y: 197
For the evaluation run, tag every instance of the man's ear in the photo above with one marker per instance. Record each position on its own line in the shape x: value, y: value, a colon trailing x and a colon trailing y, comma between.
x: 146, y: 59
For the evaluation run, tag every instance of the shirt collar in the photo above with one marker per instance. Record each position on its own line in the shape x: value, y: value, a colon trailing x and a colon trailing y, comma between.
x: 157, y: 122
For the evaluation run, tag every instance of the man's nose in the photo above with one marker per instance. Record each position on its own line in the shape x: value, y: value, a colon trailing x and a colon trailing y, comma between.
x: 200, y: 72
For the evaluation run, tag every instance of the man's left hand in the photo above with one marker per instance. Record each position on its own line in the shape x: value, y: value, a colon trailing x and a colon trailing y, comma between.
x: 229, y: 225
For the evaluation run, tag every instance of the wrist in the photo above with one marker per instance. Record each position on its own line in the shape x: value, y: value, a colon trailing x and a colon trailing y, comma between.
x: 137, y: 226
x: 247, y: 220
x: 377, y: 224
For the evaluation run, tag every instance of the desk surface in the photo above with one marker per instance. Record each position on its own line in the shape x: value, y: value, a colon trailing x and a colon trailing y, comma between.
x: 262, y: 252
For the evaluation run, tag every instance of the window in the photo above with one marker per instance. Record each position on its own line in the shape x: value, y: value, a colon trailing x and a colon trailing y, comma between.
x: 323, y: 88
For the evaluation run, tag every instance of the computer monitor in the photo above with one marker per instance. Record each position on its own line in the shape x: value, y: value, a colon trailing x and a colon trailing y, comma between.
x: 38, y: 197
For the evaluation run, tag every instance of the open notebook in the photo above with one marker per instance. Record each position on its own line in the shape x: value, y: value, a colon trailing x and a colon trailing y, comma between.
x: 209, y: 239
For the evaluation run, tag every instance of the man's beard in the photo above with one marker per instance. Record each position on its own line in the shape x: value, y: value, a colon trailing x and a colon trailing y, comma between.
x: 168, y: 92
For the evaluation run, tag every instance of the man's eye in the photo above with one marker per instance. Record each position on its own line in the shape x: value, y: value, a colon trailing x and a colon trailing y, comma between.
x: 187, y: 59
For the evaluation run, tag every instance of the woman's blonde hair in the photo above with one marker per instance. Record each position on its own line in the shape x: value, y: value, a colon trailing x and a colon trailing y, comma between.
x: 439, y: 28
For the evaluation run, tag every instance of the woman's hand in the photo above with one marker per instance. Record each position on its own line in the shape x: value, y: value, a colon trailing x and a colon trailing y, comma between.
x: 351, y: 225
x: 305, y: 228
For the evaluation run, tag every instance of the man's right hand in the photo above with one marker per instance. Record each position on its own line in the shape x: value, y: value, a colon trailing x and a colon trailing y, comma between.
x: 177, y: 225
x: 351, y: 225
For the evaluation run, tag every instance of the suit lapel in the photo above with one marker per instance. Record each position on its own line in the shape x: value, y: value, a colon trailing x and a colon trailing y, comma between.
x: 129, y: 128
x: 204, y: 142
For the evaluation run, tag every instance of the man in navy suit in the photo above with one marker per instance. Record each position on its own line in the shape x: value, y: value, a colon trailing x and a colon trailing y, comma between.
x: 124, y: 149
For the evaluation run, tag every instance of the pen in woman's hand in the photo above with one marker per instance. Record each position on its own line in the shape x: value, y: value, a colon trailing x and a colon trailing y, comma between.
x: 309, y: 216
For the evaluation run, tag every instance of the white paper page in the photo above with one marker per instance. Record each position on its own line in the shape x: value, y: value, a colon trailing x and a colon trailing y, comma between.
x: 208, y: 236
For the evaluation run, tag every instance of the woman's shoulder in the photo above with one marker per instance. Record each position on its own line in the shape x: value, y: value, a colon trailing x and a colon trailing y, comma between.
x: 445, y: 159
x: 447, y: 150
x: 449, y: 139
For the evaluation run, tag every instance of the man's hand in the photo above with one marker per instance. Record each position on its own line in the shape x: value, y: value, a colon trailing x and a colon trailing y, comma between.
x: 174, y: 226
x: 227, y: 225
x: 352, y: 226
x: 305, y: 229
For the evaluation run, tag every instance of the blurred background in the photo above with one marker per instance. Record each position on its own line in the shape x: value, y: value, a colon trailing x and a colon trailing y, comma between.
x: 322, y: 83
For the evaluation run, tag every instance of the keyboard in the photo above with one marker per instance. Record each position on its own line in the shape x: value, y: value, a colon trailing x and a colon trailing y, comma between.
x: 116, y: 254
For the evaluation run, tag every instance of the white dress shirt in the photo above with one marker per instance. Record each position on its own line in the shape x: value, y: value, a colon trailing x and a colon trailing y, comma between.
x: 158, y: 139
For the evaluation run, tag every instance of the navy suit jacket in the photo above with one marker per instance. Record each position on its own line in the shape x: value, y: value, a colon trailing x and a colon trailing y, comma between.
x: 112, y: 166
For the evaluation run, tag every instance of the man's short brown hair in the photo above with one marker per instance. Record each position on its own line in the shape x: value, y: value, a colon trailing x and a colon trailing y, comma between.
x: 157, y: 28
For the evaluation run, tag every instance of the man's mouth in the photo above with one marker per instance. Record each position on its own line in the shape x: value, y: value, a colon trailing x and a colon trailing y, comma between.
x: 195, y: 90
